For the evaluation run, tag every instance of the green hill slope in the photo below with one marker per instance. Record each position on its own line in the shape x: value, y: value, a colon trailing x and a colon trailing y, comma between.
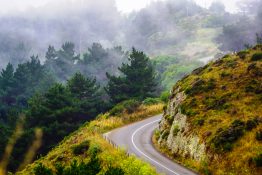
x: 213, y: 121
x: 86, y: 152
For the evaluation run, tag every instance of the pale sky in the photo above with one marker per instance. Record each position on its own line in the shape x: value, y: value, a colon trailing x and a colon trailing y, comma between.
x: 124, y: 6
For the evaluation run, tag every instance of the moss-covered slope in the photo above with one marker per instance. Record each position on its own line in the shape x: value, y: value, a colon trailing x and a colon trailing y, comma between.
x: 213, y: 121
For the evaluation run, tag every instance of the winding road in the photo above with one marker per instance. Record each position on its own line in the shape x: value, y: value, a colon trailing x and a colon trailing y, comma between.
x: 136, y: 139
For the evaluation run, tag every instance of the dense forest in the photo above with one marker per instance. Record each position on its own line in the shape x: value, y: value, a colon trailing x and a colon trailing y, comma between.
x: 61, y: 94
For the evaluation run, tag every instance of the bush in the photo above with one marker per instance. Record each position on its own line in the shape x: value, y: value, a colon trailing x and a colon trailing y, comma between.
x: 81, y: 148
x: 254, y: 87
x: 258, y: 160
x: 242, y: 54
x: 175, y: 130
x: 114, y: 171
x: 231, y: 64
x: 257, y: 57
x: 94, y: 150
x: 165, y: 96
x: 151, y: 101
x: 165, y: 134
x: 259, y: 135
x: 224, y: 138
x: 201, y: 86
x: 169, y: 119
x: 117, y: 109
x: 131, y: 105
x: 251, y: 124
x: 40, y: 169
x: 200, y: 122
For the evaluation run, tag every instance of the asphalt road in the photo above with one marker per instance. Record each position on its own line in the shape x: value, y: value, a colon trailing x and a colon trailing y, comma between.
x: 136, y: 139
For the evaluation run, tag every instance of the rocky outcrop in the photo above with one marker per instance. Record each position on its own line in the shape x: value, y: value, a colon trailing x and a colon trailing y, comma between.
x: 175, y: 131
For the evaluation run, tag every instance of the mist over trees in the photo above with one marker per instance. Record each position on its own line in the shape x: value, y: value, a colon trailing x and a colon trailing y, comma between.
x: 245, y: 31
x: 153, y: 29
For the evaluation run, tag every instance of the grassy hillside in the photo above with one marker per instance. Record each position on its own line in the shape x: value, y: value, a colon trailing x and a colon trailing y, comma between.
x: 87, y: 148
x: 218, y: 111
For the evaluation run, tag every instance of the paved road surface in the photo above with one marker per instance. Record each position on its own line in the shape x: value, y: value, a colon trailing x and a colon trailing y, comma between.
x: 136, y: 138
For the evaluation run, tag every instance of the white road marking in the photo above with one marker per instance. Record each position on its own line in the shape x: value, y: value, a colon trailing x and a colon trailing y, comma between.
x: 133, y: 135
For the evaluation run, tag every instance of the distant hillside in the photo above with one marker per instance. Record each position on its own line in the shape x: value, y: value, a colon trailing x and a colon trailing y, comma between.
x: 213, y: 121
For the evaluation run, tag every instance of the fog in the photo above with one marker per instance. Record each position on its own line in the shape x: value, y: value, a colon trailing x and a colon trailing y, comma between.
x: 152, y: 29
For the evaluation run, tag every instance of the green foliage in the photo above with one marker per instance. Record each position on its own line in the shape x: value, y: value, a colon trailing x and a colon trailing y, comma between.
x: 256, y: 57
x: 217, y: 103
x: 175, y: 130
x: 129, y: 106
x: 165, y: 96
x: 93, y: 167
x: 254, y: 87
x: 138, y: 79
x: 224, y: 138
x: 169, y: 118
x: 81, y: 148
x: 258, y: 160
x: 40, y: 169
x: 242, y: 54
x: 114, y: 171
x: 201, y: 86
x: 94, y: 150
x: 151, y: 101
x: 259, y: 135
x: 251, y: 124
x: 165, y: 134
x: 200, y: 122
x: 117, y: 109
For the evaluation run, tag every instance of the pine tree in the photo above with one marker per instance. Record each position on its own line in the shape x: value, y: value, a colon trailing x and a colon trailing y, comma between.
x: 138, y: 80
x: 87, y: 92
x: 7, y: 84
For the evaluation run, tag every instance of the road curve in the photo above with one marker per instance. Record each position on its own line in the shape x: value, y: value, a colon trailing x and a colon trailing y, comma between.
x: 136, y: 139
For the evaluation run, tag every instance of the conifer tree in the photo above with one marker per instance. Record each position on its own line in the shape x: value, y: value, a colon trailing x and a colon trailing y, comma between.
x: 138, y: 79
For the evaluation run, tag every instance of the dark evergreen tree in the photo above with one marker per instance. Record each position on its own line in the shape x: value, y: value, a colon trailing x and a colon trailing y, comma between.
x: 138, y: 79
x: 87, y: 92
x: 7, y: 84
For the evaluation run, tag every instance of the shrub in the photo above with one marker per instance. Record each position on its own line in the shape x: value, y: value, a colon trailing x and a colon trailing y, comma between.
x: 165, y: 134
x: 114, y: 171
x: 131, y: 105
x: 242, y: 54
x: 254, y: 87
x: 201, y: 86
x: 175, y: 130
x: 92, y: 167
x: 169, y: 119
x: 258, y: 160
x: 117, y: 109
x: 151, y: 101
x: 216, y: 103
x: 259, y: 135
x: 81, y: 148
x: 164, y: 96
x: 257, y: 57
x: 251, y: 124
x: 200, y: 122
x: 231, y: 64
x: 224, y: 138
x: 40, y: 169
x: 94, y: 150
x: 157, y: 134
x: 224, y: 74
